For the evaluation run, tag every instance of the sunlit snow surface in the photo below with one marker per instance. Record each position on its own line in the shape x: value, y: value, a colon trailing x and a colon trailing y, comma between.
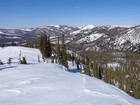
x: 51, y: 84
x: 91, y: 38
x: 88, y: 27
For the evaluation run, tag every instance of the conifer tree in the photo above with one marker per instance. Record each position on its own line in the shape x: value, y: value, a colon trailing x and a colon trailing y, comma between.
x: 48, y: 47
x: 45, y: 45
x: 95, y: 71
x: 137, y: 91
x: 64, y: 54
x: 55, y: 57
x: 87, y: 66
x: 100, y: 72
x: 82, y: 64
x: 77, y: 63
x: 91, y: 68
x: 42, y: 44
x: 73, y: 59
x: 57, y: 48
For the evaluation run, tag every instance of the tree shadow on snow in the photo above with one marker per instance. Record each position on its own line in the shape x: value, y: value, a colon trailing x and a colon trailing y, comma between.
x: 2, y: 68
x: 73, y: 70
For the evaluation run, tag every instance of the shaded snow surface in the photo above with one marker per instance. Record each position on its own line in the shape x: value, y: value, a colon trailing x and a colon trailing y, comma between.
x: 52, y: 84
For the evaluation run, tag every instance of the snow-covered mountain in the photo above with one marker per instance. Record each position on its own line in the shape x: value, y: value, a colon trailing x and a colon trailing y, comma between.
x: 88, y: 37
x: 51, y: 84
x: 27, y: 34
x: 108, y: 37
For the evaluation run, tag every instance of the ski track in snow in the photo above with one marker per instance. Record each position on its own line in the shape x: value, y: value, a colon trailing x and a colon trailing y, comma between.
x: 103, y: 94
x: 14, y: 92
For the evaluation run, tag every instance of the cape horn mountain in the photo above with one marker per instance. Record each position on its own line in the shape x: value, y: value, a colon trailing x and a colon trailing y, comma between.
x: 89, y: 37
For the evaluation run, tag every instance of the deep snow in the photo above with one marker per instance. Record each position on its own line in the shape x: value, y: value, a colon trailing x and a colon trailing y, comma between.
x: 51, y: 84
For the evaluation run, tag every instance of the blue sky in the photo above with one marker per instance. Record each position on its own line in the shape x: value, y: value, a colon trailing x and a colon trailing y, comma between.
x: 35, y: 13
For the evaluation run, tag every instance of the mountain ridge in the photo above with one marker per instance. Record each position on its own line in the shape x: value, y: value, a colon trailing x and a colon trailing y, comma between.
x: 89, y: 37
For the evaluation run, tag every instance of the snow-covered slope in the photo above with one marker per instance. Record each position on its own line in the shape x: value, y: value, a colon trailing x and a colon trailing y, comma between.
x: 89, y: 27
x: 51, y: 84
x: 109, y: 37
x: 132, y: 35
x: 31, y: 54
x: 85, y: 29
x: 91, y: 38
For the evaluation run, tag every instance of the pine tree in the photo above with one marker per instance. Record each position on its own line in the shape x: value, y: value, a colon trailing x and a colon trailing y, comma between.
x: 64, y: 54
x: 45, y: 45
x: 55, y: 57
x: 87, y: 66
x: 73, y: 59
x: 100, y: 72
x: 82, y: 65
x: 57, y: 48
x: 77, y: 63
x: 48, y: 47
x: 42, y: 44
x: 91, y: 68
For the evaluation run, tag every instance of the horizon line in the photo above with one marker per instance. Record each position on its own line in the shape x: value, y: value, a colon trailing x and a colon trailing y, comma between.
x: 42, y: 26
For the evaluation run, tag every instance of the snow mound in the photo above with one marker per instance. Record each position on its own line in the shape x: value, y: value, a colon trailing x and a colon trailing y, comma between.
x: 31, y: 54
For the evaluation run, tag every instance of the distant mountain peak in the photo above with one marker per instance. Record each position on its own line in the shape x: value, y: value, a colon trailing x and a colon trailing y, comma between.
x: 88, y: 27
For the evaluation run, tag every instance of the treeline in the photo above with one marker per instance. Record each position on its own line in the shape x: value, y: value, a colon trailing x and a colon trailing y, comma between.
x: 126, y: 75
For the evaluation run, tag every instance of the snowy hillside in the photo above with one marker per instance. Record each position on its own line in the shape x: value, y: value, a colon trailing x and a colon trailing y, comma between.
x: 91, y: 38
x: 132, y: 35
x: 109, y: 37
x: 13, y: 52
x: 52, y: 84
